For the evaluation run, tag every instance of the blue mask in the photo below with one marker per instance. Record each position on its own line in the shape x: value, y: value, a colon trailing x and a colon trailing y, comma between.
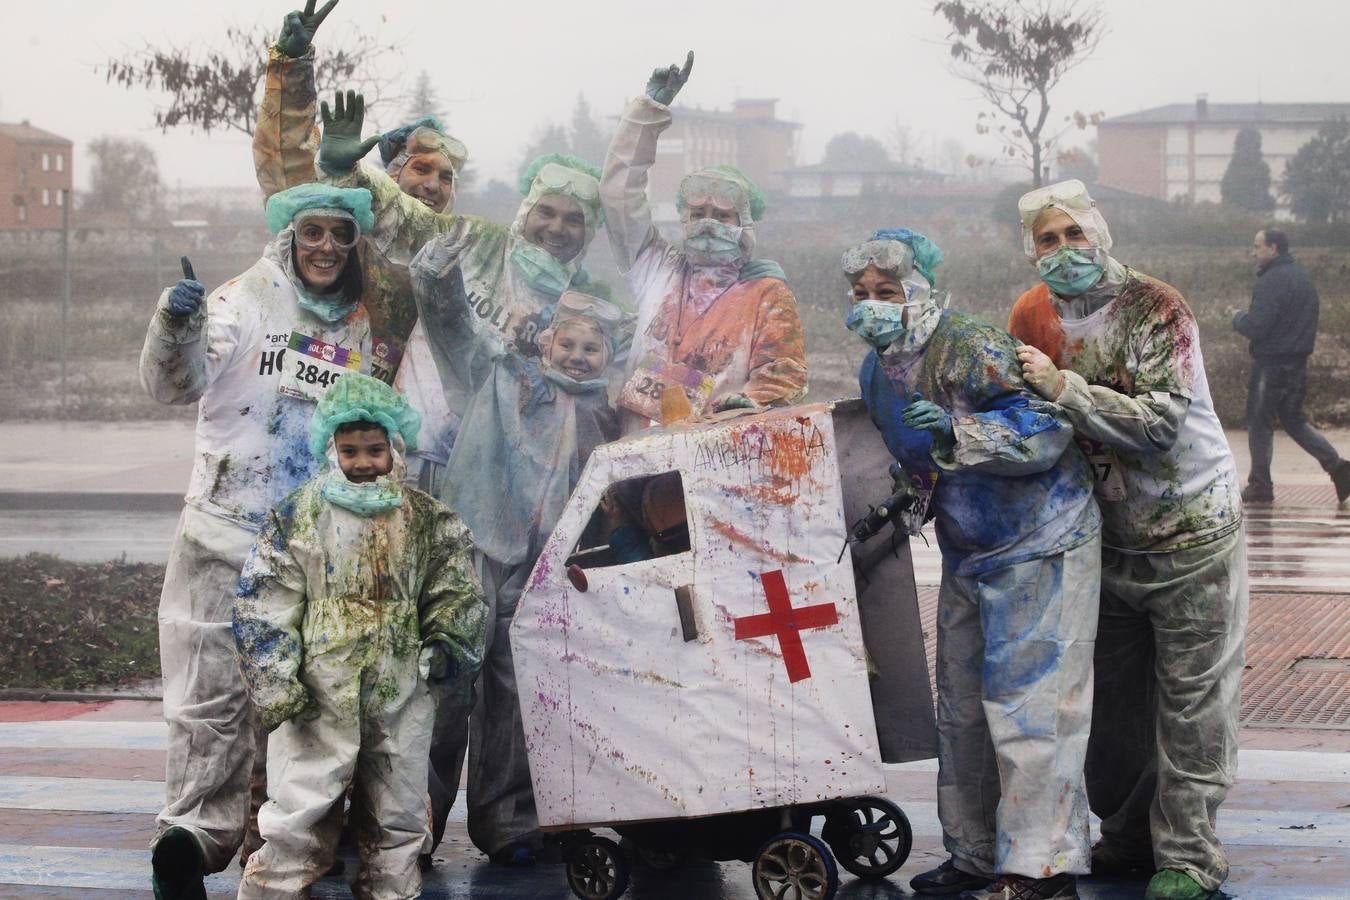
x: 1071, y: 271
x: 709, y: 242
x: 329, y: 309
x: 540, y: 269
x: 368, y: 499
x: 877, y: 322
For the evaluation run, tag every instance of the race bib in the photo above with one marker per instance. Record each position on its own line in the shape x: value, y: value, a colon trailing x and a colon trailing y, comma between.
x: 1107, y: 481
x: 384, y: 359
x: 642, y: 393
x: 912, y: 519
x: 312, y: 366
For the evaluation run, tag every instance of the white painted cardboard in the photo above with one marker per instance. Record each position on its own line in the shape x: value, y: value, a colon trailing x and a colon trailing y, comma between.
x: 627, y: 721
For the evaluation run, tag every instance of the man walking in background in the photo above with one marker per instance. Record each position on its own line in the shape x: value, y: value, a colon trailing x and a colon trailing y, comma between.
x: 1282, y: 327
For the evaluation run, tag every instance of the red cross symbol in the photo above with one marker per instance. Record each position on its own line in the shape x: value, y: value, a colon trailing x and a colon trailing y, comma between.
x: 786, y: 623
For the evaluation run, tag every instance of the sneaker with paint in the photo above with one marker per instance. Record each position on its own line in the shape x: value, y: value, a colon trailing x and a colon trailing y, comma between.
x: 947, y: 879
x: 1019, y: 887
x: 176, y: 862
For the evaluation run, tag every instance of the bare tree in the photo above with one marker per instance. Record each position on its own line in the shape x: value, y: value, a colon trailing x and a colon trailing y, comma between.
x: 218, y: 89
x: 1015, y: 52
x: 125, y: 178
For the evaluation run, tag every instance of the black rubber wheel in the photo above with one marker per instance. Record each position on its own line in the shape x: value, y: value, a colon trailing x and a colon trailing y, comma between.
x: 597, y: 869
x: 870, y: 836
x: 793, y: 866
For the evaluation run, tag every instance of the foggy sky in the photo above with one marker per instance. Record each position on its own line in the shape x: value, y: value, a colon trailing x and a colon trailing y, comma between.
x: 504, y: 68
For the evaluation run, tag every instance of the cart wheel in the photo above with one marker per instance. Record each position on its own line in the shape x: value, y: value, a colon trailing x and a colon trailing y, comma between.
x: 870, y: 836
x: 597, y: 869
x: 794, y: 866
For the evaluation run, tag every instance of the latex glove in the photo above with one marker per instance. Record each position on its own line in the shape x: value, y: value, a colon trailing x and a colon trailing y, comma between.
x: 186, y: 296
x: 434, y: 661
x: 734, y: 401
x: 342, y: 148
x: 1040, y: 371
x: 665, y: 83
x: 297, y: 29
x: 444, y: 252
x: 928, y: 416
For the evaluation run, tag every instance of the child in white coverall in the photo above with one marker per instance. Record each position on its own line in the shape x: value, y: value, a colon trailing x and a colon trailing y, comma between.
x: 356, y: 608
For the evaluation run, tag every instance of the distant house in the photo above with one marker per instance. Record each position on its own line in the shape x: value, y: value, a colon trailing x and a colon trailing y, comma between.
x: 35, y: 176
x: 1181, y: 151
x: 750, y: 137
x: 824, y: 181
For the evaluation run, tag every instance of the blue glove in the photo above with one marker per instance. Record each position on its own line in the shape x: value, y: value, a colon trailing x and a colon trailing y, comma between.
x: 186, y: 295
x: 734, y: 401
x: 666, y: 82
x: 928, y: 416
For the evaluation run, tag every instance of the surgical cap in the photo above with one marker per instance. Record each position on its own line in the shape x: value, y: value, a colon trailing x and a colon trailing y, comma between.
x: 894, y: 251
x: 1072, y: 198
x: 567, y: 175
x: 355, y: 398
x: 353, y: 203
x: 725, y: 187
x: 573, y: 305
x: 426, y: 135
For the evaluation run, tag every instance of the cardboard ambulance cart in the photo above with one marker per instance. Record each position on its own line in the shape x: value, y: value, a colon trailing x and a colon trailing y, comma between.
x: 720, y: 698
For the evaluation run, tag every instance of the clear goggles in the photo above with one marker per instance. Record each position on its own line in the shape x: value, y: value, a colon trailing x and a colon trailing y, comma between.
x: 1069, y: 195
x: 576, y: 305
x: 558, y: 179
x: 710, y: 190
x: 429, y: 140
x: 895, y: 257
x: 312, y: 234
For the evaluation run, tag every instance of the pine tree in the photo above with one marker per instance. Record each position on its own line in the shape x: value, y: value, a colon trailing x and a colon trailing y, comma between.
x: 1317, y: 179
x: 588, y: 138
x: 424, y: 101
x: 1246, y: 183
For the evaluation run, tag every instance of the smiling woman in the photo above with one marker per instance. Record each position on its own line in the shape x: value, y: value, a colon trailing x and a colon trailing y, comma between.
x: 322, y: 245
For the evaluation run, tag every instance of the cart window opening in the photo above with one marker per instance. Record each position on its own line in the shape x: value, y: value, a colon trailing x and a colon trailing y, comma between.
x: 637, y: 519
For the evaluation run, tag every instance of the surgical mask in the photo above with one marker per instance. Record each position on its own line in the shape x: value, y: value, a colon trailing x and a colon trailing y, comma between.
x: 1071, y: 271
x: 331, y: 309
x: 367, y: 499
x: 572, y: 385
x: 539, y: 268
x: 712, y: 243
x: 878, y: 322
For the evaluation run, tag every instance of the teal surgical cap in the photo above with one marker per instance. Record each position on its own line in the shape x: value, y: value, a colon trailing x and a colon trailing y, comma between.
x: 283, y: 207
x: 356, y: 398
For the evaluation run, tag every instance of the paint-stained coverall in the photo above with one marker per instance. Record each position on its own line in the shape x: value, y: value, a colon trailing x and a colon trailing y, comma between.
x: 285, y: 142
x: 518, y: 456
x: 336, y: 618
x: 1020, y: 540
x: 251, y: 451
x: 748, y: 336
x: 1169, y: 662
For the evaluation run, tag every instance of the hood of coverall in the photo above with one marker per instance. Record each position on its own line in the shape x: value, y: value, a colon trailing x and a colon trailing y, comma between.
x: 910, y: 259
x: 568, y: 176
x: 711, y: 243
x: 603, y: 316
x: 361, y: 398
x: 286, y: 210
x: 1071, y: 197
x: 426, y: 135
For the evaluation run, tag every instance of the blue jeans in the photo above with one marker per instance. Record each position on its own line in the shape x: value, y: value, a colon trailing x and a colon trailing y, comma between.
x: 1276, y: 391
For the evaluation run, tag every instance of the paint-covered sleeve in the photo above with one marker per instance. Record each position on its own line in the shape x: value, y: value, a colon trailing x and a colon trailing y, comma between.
x: 463, y: 352
x: 623, y: 186
x: 777, y: 354
x: 182, y: 354
x: 453, y: 609
x: 403, y: 224
x: 1146, y: 422
x: 286, y: 137
x: 269, y: 608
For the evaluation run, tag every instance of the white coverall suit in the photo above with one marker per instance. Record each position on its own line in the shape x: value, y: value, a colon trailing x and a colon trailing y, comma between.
x: 336, y: 618
x: 251, y: 451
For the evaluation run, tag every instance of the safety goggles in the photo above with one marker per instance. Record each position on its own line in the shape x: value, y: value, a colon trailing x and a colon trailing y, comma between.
x: 709, y: 190
x: 1069, y: 195
x: 312, y: 235
x: 888, y: 256
x: 558, y: 179
x: 573, y: 304
x: 427, y: 140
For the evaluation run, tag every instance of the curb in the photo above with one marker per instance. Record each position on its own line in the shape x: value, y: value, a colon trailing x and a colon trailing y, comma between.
x: 33, y: 695
x: 92, y: 501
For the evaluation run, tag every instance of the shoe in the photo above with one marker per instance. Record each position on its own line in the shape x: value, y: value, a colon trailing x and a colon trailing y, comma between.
x: 517, y: 856
x: 947, y: 879
x: 1340, y: 476
x: 1019, y: 887
x: 1173, y: 884
x: 1258, y: 493
x: 1114, y: 863
x: 176, y: 864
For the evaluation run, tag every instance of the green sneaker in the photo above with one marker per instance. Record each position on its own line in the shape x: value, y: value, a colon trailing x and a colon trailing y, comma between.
x: 1172, y: 884
x: 177, y: 866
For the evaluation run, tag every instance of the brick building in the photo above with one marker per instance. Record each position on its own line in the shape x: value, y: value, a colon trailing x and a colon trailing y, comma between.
x: 750, y: 137
x: 35, y: 176
x: 1182, y: 150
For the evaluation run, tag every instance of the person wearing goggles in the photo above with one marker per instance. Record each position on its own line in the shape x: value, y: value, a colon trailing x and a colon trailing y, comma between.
x: 1119, y: 353
x: 1018, y: 531
x: 255, y: 357
x: 707, y: 306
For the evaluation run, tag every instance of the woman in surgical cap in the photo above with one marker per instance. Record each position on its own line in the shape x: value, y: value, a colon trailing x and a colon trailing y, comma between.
x: 1020, y: 540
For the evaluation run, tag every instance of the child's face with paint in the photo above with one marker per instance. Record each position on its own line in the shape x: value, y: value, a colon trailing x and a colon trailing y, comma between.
x: 364, y: 454
x: 578, y: 350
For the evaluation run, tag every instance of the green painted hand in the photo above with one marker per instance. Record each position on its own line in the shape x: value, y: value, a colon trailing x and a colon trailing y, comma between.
x: 342, y: 148
x: 666, y: 82
x: 928, y: 416
x: 297, y: 29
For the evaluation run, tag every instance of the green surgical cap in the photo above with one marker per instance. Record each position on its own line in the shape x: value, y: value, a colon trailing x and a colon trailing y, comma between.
x: 927, y: 255
x: 358, y: 397
x: 282, y: 207
x: 734, y: 175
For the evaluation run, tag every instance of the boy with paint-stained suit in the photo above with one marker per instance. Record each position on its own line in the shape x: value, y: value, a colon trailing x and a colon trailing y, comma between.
x: 357, y: 607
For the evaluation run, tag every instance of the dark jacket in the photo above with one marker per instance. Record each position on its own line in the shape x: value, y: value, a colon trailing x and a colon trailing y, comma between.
x: 1282, y: 321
